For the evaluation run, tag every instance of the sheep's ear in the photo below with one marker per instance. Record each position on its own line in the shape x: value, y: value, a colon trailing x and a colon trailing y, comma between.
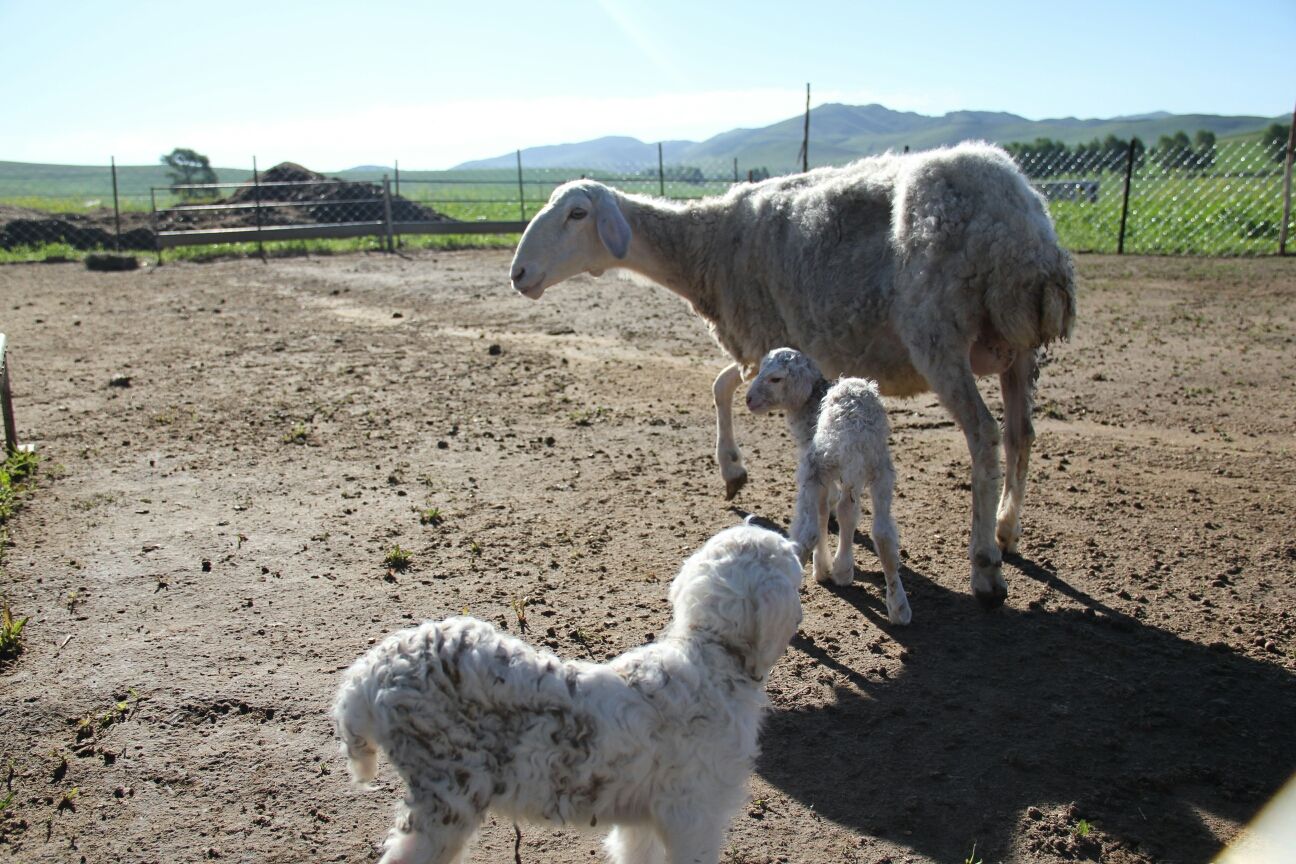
x: 613, y: 229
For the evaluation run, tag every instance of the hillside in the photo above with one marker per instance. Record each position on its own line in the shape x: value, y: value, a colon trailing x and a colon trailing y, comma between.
x: 842, y: 132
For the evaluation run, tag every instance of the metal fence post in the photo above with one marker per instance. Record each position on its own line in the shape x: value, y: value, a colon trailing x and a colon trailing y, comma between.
x: 256, y: 185
x: 1129, y: 173
x: 387, y: 213
x: 661, y: 172
x: 735, y: 169
x: 112, y: 160
x: 521, y: 194
x: 1287, y: 184
x: 157, y: 236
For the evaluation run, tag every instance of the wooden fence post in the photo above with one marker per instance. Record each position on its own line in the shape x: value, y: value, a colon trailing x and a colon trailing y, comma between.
x: 661, y: 172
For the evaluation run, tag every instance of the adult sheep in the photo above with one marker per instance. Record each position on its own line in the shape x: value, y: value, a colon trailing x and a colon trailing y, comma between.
x: 921, y: 271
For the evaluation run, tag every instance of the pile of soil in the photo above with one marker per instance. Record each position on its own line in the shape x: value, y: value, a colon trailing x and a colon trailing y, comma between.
x: 314, y: 198
x: 317, y: 199
x: 20, y: 226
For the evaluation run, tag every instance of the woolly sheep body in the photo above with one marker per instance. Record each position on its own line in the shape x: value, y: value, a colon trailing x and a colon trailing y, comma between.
x: 920, y: 271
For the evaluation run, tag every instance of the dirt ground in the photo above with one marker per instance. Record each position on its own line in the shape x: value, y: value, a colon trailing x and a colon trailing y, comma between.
x: 205, y: 552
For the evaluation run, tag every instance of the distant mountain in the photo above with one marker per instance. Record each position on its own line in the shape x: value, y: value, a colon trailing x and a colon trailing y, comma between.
x: 839, y: 133
x: 618, y: 149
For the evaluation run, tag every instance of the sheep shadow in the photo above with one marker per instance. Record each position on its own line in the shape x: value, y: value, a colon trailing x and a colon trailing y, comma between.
x: 994, y: 713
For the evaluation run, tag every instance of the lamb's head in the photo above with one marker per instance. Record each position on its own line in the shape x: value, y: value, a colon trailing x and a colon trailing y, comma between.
x: 741, y: 589
x: 786, y: 380
x: 580, y: 230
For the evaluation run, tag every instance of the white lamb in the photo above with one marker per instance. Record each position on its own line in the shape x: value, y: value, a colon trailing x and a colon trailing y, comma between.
x: 657, y: 743
x: 921, y: 271
x: 841, y: 436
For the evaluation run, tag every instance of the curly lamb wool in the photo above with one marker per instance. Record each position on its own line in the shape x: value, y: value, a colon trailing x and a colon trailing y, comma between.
x: 658, y: 743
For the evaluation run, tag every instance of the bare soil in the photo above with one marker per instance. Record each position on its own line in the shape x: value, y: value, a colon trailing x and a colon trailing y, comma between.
x: 231, y: 449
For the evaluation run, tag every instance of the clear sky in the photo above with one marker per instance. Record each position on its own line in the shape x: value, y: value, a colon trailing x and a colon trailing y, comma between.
x: 431, y: 84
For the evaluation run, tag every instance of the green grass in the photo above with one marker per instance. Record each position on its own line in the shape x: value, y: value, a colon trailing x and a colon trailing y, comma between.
x: 398, y: 559
x: 16, y: 473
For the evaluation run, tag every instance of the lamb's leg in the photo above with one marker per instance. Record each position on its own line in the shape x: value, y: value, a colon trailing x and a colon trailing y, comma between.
x: 427, y: 831
x: 848, y: 512
x: 948, y: 371
x: 728, y: 456
x: 886, y: 539
x: 1016, y: 384
x: 634, y: 844
x: 809, y: 528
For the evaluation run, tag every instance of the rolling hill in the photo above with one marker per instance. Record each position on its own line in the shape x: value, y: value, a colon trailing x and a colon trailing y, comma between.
x: 839, y: 133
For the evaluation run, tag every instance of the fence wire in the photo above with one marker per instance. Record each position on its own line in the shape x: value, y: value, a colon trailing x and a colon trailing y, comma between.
x: 1179, y: 198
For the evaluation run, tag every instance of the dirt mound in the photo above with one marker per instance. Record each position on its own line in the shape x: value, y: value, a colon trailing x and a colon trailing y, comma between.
x: 94, y: 230
x: 314, y: 198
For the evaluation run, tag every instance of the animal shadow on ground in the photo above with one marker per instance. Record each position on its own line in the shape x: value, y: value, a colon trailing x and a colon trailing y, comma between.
x: 996, y: 713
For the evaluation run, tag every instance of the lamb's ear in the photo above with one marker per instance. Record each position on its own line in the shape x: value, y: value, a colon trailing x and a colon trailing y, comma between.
x: 613, y: 229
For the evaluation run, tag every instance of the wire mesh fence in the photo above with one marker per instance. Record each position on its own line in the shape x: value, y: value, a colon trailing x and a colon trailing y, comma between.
x: 1179, y: 197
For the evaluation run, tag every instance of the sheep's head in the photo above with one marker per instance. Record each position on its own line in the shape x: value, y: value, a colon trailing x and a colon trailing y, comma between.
x: 580, y: 230
x: 786, y: 380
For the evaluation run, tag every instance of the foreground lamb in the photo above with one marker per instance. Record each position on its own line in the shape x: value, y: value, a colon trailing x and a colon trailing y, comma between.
x: 841, y: 433
x: 658, y: 743
x: 921, y: 271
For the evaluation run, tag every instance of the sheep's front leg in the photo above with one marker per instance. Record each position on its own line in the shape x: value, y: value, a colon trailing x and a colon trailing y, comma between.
x: 1016, y: 383
x: 728, y: 456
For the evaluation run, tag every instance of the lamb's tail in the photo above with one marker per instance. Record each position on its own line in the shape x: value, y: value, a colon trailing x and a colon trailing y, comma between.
x: 353, y: 720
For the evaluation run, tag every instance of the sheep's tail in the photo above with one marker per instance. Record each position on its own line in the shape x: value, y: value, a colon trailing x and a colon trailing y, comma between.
x: 353, y: 721
x: 1041, y: 310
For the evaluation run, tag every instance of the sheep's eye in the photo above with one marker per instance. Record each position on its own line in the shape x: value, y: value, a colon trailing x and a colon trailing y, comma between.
x: 578, y: 213
x: 776, y: 379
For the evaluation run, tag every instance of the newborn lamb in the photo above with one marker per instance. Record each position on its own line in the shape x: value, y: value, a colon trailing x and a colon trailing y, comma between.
x: 841, y: 435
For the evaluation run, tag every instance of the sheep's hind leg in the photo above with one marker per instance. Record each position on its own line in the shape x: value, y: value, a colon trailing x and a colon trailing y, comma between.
x: 728, y: 457
x: 948, y: 371
x: 1016, y: 384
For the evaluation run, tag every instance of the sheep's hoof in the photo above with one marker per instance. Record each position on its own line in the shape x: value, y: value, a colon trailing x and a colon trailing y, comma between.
x: 993, y: 598
x: 988, y: 585
x: 734, y: 484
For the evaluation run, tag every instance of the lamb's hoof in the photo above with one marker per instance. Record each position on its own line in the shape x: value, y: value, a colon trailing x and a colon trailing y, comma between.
x: 898, y: 611
x: 843, y: 577
x: 734, y: 485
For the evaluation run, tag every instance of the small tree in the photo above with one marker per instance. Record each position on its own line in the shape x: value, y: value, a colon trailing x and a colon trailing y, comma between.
x: 1275, y: 142
x: 187, y: 166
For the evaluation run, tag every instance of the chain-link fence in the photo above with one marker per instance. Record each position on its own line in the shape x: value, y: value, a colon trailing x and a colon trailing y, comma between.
x: 1194, y: 198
